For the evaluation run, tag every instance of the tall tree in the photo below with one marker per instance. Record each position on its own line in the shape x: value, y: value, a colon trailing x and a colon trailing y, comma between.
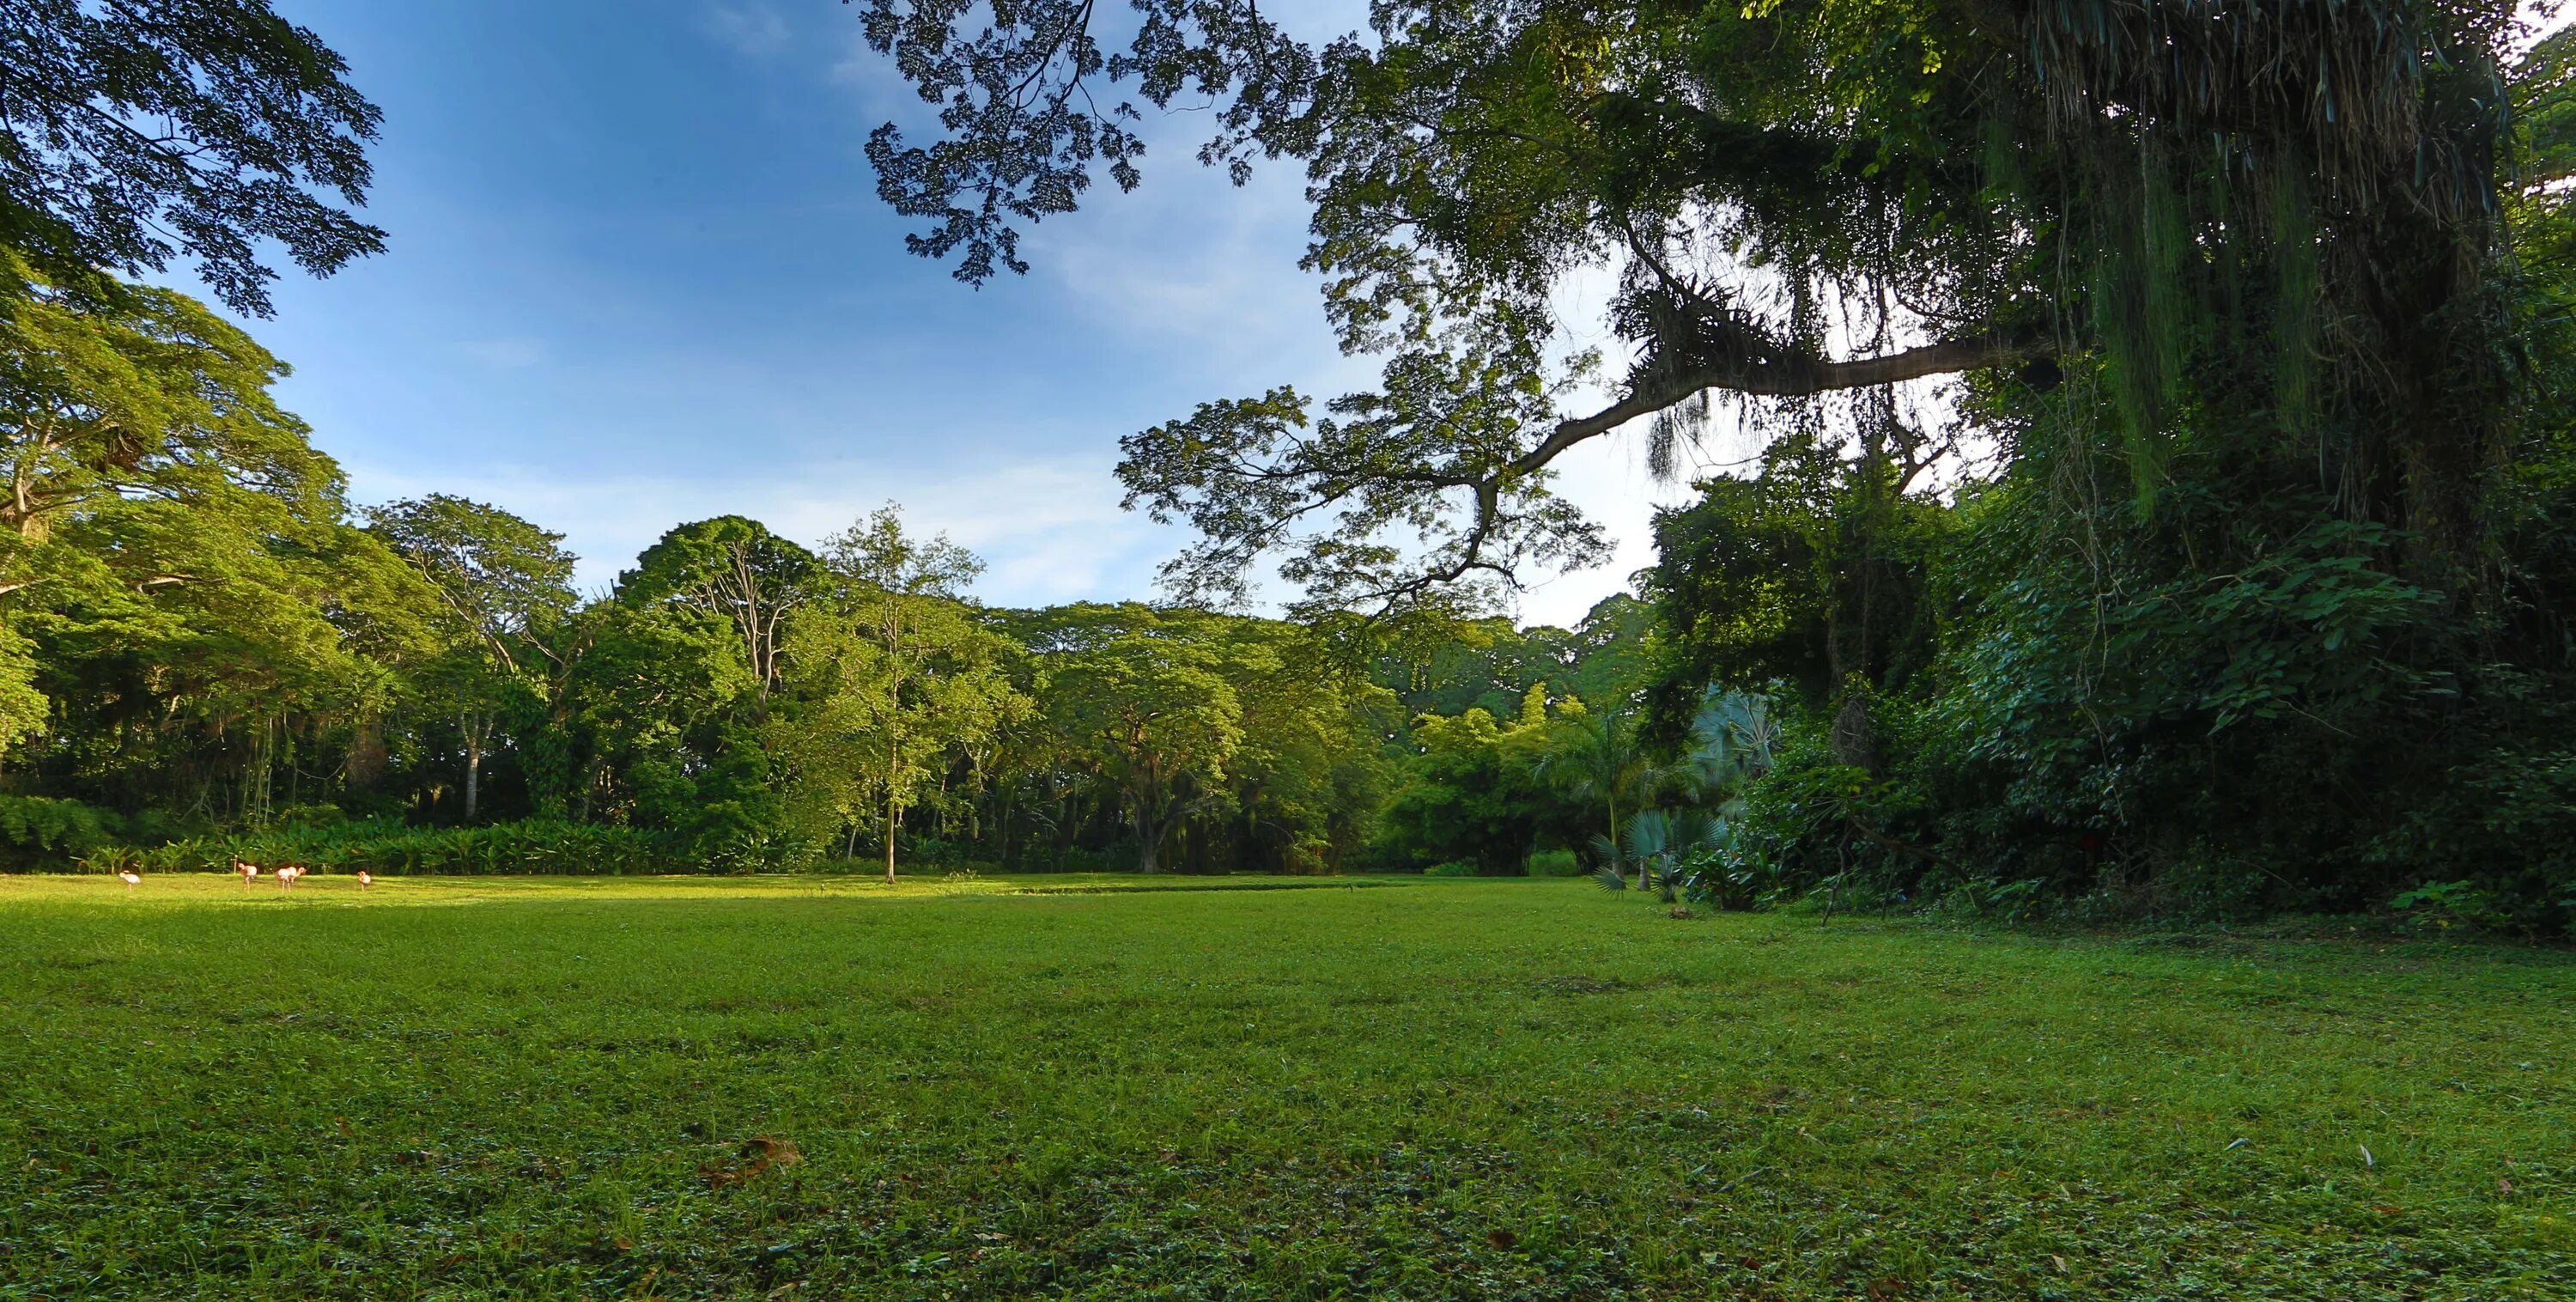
x: 1145, y: 700
x: 507, y: 585
x: 900, y: 678
x: 147, y: 396
x: 1596, y: 755
x: 736, y: 570
x: 175, y: 546
x: 139, y: 130
x: 2164, y: 203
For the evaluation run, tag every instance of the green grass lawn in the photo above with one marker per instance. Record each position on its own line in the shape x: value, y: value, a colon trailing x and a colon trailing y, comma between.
x: 1072, y: 1087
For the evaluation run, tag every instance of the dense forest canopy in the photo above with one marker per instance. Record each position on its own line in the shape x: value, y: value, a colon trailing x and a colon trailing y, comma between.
x: 2162, y: 502
x: 2260, y: 599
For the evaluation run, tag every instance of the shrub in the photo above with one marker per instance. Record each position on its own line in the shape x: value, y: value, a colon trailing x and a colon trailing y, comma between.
x: 42, y: 834
x: 1726, y: 877
x: 2501, y: 832
x: 2443, y: 905
x: 392, y: 850
x: 1555, y: 863
x: 1453, y: 868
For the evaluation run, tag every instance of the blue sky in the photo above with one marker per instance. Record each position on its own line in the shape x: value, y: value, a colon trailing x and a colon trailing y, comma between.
x: 638, y: 274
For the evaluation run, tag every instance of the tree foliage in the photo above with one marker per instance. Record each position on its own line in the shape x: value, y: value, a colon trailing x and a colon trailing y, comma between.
x: 139, y: 131
x: 2230, y: 547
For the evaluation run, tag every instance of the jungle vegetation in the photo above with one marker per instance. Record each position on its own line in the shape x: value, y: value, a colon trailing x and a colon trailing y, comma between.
x: 2163, y: 505
x: 2163, y: 497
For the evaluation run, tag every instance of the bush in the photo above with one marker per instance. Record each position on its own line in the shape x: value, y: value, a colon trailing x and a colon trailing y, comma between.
x: 2501, y: 832
x: 41, y: 834
x: 2443, y: 905
x: 1453, y: 868
x: 1555, y: 863
x: 392, y: 850
x: 1117, y: 857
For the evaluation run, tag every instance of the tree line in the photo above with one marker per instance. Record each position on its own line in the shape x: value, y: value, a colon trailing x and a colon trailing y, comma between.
x: 205, y: 637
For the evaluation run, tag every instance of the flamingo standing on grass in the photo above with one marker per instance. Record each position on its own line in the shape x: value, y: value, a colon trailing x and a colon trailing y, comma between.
x: 131, y: 879
x: 365, y: 879
x: 247, y: 870
x: 286, y: 877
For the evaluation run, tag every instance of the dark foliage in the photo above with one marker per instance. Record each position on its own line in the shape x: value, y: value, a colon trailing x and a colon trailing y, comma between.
x: 136, y: 131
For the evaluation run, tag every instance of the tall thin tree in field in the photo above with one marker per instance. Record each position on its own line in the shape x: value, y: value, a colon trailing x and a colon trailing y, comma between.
x: 903, y: 675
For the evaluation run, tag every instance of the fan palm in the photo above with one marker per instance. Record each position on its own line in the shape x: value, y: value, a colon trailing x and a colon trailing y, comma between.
x: 1662, y: 847
x: 1731, y: 741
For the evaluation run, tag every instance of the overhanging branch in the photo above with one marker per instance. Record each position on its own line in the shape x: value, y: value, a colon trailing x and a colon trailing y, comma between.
x: 1792, y: 376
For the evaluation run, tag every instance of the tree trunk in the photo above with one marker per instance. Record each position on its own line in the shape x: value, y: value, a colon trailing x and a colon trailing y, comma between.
x: 894, y: 811
x: 475, y: 730
x: 1149, y: 854
x: 1852, y: 739
x: 1615, y: 856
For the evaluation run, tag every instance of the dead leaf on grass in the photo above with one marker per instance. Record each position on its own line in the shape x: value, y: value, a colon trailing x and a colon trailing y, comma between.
x: 759, y: 1153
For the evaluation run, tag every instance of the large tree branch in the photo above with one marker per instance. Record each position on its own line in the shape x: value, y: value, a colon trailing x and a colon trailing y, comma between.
x: 1789, y: 376
x: 1779, y: 375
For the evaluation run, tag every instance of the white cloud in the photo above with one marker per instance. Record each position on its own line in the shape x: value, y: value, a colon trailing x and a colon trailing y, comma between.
x: 1051, y: 531
x: 506, y: 354
x: 754, y: 30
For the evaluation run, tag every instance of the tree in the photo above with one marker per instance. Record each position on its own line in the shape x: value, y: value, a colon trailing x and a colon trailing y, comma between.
x: 1596, y: 755
x: 650, y: 702
x: 1144, y: 699
x: 149, y: 398
x: 1305, y: 786
x: 2143, y: 198
x: 145, y: 396
x: 2235, y: 292
x: 135, y: 131
x: 1471, y: 791
x: 176, y: 552
x: 505, y: 583
x: 898, y: 675
x: 1813, y: 572
x: 736, y: 570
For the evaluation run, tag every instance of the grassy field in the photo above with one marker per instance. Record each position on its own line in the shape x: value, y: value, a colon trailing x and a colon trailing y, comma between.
x: 1461, y: 1089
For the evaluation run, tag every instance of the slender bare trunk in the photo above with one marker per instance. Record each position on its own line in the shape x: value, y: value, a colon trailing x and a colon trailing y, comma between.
x: 1006, y: 829
x: 1151, y: 823
x: 477, y: 727
x: 891, y: 813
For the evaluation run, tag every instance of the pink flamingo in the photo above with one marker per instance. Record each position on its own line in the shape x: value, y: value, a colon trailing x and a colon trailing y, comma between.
x: 247, y: 870
x: 131, y: 879
x: 286, y: 877
x: 365, y: 879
